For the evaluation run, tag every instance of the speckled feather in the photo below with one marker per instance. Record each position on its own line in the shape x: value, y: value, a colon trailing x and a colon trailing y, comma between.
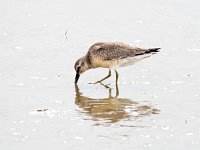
x: 107, y: 54
x: 115, y: 50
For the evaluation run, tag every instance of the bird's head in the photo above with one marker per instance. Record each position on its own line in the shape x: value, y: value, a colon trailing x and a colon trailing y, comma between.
x: 80, y: 66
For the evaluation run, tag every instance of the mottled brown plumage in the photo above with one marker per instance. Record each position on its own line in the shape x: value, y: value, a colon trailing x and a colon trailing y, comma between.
x: 111, y: 51
x: 110, y: 55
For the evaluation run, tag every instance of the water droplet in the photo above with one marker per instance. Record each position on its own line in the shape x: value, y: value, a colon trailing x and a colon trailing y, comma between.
x: 124, y: 138
x: 33, y: 130
x: 193, y: 117
x: 157, y: 137
x: 34, y: 77
x: 165, y: 128
x: 147, y: 83
x: 147, y: 136
x: 155, y: 96
x: 4, y: 34
x: 58, y: 101
x: 16, y: 133
x: 12, y: 129
x: 176, y: 82
x: 20, y: 84
x: 18, y: 47
x: 59, y: 76
x: 165, y: 88
x: 194, y: 50
x: 137, y: 41
x: 78, y: 138
x: 123, y: 82
x: 180, y: 27
x: 147, y: 145
x: 133, y: 82
x: 139, y: 21
x: 190, y: 134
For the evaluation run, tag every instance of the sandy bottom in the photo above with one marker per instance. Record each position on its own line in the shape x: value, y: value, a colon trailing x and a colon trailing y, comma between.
x: 159, y: 97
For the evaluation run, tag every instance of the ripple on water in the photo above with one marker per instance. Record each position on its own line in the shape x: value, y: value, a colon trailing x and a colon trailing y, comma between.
x: 48, y: 112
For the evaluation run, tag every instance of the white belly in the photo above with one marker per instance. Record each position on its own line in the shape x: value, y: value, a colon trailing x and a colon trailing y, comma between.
x: 118, y: 63
x: 132, y: 60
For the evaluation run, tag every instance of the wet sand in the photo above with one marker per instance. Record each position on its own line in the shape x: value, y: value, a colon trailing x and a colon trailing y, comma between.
x: 156, y: 103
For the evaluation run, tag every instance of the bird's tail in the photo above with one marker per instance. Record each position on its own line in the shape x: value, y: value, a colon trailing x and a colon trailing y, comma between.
x: 152, y: 50
x: 148, y: 51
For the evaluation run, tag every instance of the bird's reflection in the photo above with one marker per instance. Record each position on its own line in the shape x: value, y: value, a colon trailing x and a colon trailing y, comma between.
x: 112, y: 109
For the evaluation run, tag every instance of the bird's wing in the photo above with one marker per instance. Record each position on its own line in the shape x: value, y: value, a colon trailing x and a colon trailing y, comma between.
x: 114, y: 51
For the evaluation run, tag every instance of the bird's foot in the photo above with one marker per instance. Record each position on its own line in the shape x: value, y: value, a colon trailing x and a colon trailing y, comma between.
x: 98, y: 82
x: 105, y: 85
x: 94, y: 82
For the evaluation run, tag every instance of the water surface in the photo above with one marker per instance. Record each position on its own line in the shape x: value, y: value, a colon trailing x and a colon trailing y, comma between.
x: 156, y: 103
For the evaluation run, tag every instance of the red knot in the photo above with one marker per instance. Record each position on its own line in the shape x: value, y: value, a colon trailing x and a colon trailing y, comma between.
x: 111, y: 55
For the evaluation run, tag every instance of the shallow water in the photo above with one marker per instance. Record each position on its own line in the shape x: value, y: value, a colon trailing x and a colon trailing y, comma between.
x: 155, y: 104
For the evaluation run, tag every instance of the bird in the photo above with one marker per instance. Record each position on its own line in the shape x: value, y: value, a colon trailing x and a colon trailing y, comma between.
x: 111, y: 55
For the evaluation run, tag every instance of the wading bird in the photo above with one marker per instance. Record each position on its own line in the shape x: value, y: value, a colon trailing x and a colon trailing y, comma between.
x: 111, y: 55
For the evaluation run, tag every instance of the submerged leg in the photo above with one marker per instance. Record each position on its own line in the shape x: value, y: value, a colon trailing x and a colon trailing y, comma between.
x: 107, y: 87
x: 117, y: 90
x: 116, y: 83
x: 109, y: 74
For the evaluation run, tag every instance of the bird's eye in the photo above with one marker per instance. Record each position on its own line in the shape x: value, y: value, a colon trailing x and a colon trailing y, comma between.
x: 82, y: 63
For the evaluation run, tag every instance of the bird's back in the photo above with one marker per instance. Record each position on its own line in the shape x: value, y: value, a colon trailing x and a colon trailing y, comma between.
x: 111, y: 54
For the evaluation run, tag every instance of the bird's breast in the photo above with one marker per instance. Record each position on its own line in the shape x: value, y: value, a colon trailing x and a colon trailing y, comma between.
x: 98, y: 62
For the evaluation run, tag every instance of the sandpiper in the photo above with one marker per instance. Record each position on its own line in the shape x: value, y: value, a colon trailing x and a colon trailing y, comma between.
x: 111, y: 55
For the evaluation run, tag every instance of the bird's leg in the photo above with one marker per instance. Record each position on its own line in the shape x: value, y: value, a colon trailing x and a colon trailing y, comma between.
x: 117, y: 90
x: 109, y: 74
x: 116, y: 83
x: 107, y: 87
x: 117, y: 75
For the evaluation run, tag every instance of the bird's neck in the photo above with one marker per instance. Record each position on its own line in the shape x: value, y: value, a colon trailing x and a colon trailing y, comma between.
x: 87, y: 60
